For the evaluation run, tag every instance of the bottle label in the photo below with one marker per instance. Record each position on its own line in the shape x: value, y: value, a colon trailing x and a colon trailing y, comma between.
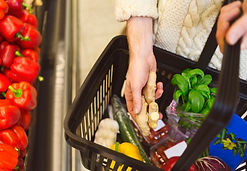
x: 176, y: 150
x: 160, y: 124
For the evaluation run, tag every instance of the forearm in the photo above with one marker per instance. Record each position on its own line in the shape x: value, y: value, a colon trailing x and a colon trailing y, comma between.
x: 139, y: 34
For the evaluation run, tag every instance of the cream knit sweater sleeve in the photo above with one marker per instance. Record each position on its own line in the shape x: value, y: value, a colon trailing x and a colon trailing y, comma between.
x: 124, y: 9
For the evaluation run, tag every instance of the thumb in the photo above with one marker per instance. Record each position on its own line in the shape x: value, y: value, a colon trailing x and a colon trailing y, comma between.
x: 137, y: 100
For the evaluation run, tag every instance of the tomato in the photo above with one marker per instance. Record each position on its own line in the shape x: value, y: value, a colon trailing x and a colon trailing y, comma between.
x: 171, y: 162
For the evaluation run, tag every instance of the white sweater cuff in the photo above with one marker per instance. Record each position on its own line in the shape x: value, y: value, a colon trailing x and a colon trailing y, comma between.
x: 124, y: 9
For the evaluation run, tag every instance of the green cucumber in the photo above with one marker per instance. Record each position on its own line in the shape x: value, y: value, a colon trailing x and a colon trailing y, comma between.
x: 126, y: 128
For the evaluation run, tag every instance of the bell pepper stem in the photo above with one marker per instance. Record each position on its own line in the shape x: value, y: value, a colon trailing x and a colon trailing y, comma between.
x: 27, y: 7
x: 18, y: 35
x: 116, y: 146
x: 4, y: 94
x: 40, y: 78
x: 17, y: 93
x: 18, y: 53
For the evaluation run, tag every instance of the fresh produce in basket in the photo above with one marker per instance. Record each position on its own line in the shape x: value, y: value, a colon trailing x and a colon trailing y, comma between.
x: 126, y: 128
x: 171, y: 146
x: 106, y: 134
x: 145, y: 120
x: 19, y: 69
x: 172, y: 161
x: 211, y: 164
x: 193, y: 99
x: 129, y: 150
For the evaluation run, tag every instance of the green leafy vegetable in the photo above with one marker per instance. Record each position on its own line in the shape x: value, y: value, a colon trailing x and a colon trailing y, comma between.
x: 197, y: 101
x: 181, y: 82
x: 194, y: 94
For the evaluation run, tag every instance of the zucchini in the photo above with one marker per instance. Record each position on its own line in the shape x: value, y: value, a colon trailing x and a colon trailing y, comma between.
x: 126, y: 128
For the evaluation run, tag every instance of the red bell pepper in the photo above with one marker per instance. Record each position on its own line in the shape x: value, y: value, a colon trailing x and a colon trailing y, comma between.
x: 11, y: 27
x: 15, y: 137
x: 25, y: 119
x: 9, y: 114
x: 15, y: 7
x: 33, y: 34
x: 4, y: 83
x: 29, y: 53
x: 8, y: 157
x: 29, y: 18
x: 3, y: 8
x: 23, y: 69
x: 23, y: 95
x: 7, y: 53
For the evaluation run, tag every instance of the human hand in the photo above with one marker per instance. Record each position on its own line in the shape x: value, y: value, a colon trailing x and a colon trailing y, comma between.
x: 136, y: 79
x: 237, y: 30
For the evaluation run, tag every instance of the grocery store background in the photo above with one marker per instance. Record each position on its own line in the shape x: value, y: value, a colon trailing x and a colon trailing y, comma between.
x: 97, y: 26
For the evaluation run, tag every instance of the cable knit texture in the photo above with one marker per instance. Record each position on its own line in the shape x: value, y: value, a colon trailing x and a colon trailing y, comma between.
x: 182, y: 26
x: 127, y: 8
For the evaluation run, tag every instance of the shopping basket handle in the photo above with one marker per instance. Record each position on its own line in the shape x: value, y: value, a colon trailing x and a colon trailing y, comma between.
x: 222, y: 110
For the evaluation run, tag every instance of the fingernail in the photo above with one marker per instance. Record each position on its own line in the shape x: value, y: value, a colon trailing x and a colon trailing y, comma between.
x: 231, y: 39
x: 135, y: 110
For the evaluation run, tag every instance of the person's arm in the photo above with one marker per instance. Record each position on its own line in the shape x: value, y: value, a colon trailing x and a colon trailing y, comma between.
x: 239, y: 29
x: 141, y: 61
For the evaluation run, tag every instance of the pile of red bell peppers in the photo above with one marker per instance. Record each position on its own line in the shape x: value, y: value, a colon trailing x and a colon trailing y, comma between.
x: 19, y: 68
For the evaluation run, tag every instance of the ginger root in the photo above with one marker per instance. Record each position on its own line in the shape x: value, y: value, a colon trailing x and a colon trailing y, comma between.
x: 150, y: 88
x: 142, y: 119
x: 153, y: 117
x: 149, y: 94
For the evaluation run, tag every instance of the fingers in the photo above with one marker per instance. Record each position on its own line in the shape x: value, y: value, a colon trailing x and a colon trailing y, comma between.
x: 128, y: 97
x: 159, y: 90
x: 133, y: 98
x: 227, y: 14
x: 238, y: 29
x: 137, y: 99
x: 161, y: 115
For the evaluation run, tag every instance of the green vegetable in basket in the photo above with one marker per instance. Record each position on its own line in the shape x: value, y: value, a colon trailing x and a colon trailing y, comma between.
x: 126, y: 129
x: 193, y: 94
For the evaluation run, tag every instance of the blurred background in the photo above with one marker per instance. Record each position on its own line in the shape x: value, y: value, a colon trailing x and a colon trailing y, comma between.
x: 74, y: 34
x: 96, y: 27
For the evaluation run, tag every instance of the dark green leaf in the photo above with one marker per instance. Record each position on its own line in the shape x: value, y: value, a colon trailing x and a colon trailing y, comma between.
x: 223, y: 134
x: 234, y: 152
x: 177, y: 94
x: 244, y: 147
x: 217, y: 141
x: 206, y: 80
x: 181, y: 82
x: 197, y: 101
x: 232, y: 136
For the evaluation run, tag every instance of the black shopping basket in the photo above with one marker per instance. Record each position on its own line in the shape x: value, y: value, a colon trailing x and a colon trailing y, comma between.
x: 105, y: 79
